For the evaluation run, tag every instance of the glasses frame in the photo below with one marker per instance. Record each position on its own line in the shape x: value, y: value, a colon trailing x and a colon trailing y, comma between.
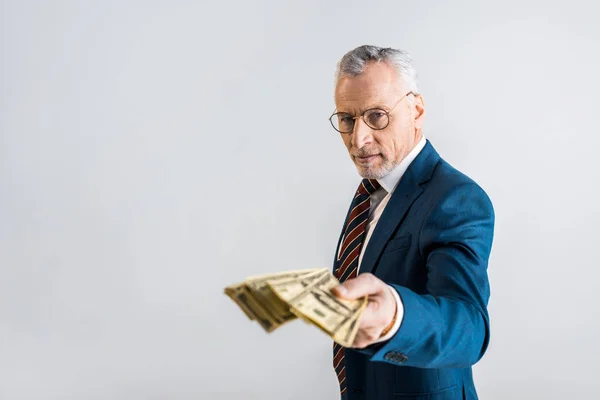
x: 361, y: 116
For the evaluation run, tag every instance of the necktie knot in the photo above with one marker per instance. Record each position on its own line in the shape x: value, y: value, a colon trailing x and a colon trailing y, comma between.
x: 368, y: 187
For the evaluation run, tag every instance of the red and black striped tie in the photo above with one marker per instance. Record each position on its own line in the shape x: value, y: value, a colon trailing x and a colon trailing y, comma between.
x: 346, y: 266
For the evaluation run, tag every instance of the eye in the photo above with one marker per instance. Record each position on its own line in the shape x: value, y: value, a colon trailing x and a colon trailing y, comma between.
x: 376, y: 116
x: 346, y: 119
x: 345, y: 122
x: 377, y: 119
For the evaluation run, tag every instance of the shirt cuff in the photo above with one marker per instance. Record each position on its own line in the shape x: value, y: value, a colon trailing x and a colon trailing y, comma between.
x: 399, y: 315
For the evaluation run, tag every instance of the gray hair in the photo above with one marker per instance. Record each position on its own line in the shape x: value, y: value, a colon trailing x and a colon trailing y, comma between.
x: 354, y: 62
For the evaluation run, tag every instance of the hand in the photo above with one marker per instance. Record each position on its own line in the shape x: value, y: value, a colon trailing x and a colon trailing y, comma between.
x: 381, y: 309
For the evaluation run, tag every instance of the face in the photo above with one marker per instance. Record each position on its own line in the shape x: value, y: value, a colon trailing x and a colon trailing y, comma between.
x: 376, y: 152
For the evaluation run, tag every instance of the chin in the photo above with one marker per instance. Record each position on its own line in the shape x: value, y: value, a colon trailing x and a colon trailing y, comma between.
x: 370, y: 172
x: 376, y: 171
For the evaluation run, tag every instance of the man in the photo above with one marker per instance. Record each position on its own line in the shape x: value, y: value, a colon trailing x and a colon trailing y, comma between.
x: 416, y: 240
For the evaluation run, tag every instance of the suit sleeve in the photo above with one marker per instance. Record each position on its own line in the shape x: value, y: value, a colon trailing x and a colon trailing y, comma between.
x: 448, y: 325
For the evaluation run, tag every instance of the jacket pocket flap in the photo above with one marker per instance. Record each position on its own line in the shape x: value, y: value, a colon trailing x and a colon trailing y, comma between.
x: 398, y: 243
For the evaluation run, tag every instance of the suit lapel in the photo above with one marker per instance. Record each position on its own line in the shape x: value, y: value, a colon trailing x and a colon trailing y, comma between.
x: 404, y: 195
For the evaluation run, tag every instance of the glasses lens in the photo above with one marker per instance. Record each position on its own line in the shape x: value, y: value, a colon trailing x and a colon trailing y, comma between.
x: 376, y: 119
x: 343, y: 122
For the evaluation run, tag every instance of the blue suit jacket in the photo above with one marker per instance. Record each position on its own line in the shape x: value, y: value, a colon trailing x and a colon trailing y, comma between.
x: 432, y: 244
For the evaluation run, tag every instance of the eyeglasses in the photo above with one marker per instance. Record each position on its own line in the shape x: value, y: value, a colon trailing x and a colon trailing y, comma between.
x: 375, y: 118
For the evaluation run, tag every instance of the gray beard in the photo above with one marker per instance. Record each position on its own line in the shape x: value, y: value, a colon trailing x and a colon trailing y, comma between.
x: 377, y: 173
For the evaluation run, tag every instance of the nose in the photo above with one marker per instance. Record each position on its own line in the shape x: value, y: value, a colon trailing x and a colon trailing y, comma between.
x: 362, y: 134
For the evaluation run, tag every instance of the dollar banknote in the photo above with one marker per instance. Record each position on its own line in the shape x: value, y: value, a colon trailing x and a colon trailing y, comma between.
x: 275, y: 299
x: 259, y: 303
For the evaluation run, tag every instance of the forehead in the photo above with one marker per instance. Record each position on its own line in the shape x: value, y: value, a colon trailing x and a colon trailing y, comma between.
x: 377, y: 86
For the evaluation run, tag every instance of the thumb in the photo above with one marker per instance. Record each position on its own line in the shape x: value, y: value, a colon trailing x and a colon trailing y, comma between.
x: 363, y: 285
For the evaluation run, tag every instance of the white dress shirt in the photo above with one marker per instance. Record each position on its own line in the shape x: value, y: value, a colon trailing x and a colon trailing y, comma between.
x: 379, y: 200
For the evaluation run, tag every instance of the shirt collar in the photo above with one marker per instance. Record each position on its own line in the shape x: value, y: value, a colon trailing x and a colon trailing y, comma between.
x: 390, y: 181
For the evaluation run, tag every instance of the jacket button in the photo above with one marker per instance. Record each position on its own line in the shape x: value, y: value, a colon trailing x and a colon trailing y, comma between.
x: 395, y: 357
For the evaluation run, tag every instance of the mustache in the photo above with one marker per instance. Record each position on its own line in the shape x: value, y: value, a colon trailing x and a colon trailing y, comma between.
x: 365, y: 152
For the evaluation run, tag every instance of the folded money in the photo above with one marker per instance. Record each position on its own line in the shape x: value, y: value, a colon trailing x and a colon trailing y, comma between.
x: 275, y: 299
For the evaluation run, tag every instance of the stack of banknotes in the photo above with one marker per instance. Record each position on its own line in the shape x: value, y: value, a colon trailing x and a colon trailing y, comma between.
x: 274, y: 299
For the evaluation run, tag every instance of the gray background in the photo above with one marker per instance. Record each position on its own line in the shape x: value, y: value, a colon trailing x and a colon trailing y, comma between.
x: 153, y: 152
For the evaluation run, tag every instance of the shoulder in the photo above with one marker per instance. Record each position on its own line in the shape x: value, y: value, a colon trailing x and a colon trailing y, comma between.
x: 458, y: 209
x: 449, y: 182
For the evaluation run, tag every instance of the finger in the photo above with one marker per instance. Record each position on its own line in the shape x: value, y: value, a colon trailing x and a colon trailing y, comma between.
x: 372, y: 314
x: 366, y: 337
x: 363, y: 285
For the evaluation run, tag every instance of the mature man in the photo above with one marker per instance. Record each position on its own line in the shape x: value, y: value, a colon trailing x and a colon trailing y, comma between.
x: 416, y: 240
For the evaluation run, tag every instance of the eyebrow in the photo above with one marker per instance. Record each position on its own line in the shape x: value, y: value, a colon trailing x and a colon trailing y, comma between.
x: 370, y: 107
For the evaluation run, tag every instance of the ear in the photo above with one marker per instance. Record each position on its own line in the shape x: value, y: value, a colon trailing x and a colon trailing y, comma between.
x: 419, y: 110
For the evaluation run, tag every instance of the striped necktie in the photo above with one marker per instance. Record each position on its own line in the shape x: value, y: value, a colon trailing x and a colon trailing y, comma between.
x: 346, y: 265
